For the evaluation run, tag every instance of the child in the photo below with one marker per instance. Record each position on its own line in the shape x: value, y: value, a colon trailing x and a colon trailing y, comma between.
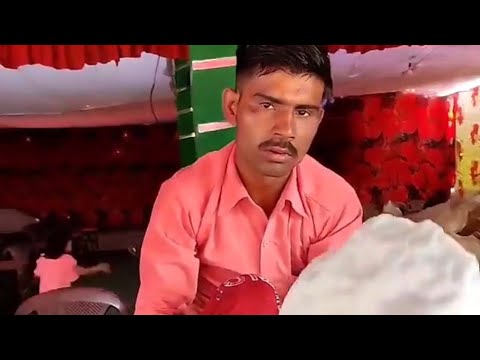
x: 56, y: 268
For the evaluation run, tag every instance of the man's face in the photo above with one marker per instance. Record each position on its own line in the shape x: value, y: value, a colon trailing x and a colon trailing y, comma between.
x: 277, y: 116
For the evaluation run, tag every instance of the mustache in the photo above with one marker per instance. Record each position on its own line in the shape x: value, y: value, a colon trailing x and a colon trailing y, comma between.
x: 281, y: 143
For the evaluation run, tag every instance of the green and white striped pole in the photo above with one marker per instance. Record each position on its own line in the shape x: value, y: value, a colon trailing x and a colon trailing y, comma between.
x: 199, y: 83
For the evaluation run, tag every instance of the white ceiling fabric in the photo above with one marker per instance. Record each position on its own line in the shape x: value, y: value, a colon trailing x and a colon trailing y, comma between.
x: 36, y: 89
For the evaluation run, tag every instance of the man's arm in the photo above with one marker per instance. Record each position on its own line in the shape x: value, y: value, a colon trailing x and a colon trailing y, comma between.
x: 93, y: 270
x: 338, y: 228
x: 168, y: 264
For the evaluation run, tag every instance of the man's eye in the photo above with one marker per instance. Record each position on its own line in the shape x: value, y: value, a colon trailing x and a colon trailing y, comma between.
x: 303, y: 113
x: 266, y: 105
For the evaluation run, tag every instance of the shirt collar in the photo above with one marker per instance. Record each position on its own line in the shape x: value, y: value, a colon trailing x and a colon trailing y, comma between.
x: 291, y: 193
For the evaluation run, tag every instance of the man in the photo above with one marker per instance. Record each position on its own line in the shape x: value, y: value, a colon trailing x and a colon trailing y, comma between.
x: 259, y: 206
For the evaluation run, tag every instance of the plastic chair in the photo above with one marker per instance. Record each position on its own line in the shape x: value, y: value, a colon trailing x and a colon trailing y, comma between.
x: 74, y: 301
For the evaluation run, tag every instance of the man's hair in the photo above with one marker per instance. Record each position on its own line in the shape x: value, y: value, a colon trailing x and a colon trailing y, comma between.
x: 295, y: 59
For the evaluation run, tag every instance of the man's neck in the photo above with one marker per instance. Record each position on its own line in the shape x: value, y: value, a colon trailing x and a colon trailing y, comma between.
x: 264, y: 191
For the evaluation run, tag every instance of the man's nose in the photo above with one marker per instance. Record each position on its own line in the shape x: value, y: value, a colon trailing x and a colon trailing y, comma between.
x: 285, y: 125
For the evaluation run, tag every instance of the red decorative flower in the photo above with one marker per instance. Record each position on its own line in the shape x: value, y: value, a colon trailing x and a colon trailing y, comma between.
x: 377, y: 155
x: 389, y: 125
x: 402, y: 119
x: 475, y: 97
x: 359, y: 175
x: 398, y: 171
x: 434, y: 126
x: 381, y: 182
x: 363, y: 125
x: 459, y: 115
x: 372, y: 106
x: 397, y: 194
x: 409, y: 152
x: 437, y: 157
x: 394, y: 173
x: 455, y: 108
x: 426, y: 179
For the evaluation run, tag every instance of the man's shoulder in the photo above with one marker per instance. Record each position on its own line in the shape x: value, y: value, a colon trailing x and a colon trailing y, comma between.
x: 203, y: 174
x: 325, y: 187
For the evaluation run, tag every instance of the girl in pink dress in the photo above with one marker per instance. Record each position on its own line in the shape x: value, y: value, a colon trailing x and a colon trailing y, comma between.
x: 56, y: 268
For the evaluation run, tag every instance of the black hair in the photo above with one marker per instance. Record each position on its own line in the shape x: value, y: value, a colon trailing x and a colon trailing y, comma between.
x: 296, y: 59
x: 57, y: 241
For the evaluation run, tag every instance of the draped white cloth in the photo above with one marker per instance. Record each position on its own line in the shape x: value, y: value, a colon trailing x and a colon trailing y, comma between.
x: 391, y: 266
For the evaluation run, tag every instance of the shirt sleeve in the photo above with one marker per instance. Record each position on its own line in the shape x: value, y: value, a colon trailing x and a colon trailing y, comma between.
x: 168, y: 264
x: 339, y: 227
x: 69, y: 266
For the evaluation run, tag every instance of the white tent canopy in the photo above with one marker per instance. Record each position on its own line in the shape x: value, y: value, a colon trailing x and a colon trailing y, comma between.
x: 39, y: 96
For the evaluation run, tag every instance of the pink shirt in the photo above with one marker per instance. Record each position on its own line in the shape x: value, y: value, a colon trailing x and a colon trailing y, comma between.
x: 56, y: 273
x: 205, y: 229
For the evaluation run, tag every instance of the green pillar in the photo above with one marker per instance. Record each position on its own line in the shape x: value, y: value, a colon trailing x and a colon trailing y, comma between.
x: 200, y: 83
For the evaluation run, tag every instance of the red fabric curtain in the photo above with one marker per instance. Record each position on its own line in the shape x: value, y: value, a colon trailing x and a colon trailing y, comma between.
x: 75, y: 57
x: 182, y: 50
x: 358, y: 48
x: 390, y: 147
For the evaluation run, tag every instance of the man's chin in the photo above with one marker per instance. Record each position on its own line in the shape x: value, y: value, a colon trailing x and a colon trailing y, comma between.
x: 276, y: 170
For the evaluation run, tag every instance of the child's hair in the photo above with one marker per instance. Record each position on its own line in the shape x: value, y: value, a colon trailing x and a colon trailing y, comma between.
x: 57, y: 241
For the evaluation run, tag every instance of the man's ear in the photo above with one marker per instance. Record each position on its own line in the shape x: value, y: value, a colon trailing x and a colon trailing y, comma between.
x: 230, y: 104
